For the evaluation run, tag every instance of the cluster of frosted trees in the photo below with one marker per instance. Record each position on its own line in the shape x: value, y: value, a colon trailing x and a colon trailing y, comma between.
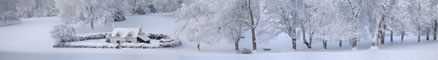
x: 35, y: 8
x: 7, y: 13
x: 82, y: 11
x: 12, y: 10
x: 105, y: 11
x: 208, y: 21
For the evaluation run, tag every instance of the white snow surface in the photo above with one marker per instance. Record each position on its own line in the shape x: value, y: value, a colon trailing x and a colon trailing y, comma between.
x: 30, y: 40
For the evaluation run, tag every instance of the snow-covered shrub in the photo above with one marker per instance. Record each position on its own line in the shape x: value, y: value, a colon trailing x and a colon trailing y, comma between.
x: 246, y: 51
x: 64, y: 33
x: 92, y: 37
x: 119, y: 16
x: 139, y: 11
x: 158, y: 36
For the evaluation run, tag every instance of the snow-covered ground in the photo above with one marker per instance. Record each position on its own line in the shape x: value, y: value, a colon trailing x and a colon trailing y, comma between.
x: 30, y: 40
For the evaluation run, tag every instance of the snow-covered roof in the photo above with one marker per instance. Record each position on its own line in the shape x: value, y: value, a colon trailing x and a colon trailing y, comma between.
x: 125, y: 31
x: 144, y: 37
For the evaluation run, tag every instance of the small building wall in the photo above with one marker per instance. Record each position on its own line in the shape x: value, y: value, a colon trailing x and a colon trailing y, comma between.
x: 115, y: 39
x: 123, y: 40
x: 133, y: 40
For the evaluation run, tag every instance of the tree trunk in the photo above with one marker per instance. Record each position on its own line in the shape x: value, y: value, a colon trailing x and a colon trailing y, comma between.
x: 325, y: 44
x: 198, y: 46
x: 427, y: 34
x: 378, y: 31
x: 419, y: 37
x: 236, y: 44
x: 304, y: 38
x: 294, y: 43
x: 402, y: 37
x: 340, y: 43
x: 392, y: 36
x: 354, y: 43
x: 254, y: 45
x: 382, y: 38
x: 310, y: 39
x: 435, y: 30
x: 92, y: 24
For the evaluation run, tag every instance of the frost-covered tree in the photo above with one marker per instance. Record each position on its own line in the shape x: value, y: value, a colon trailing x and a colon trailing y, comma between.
x: 254, y: 10
x: 36, y: 8
x: 8, y: 12
x: 355, y: 26
x: 398, y: 18
x: 434, y: 7
x: 166, y: 5
x: 287, y: 16
x: 334, y: 21
x: 421, y: 19
x: 325, y: 20
x: 227, y: 22
x: 378, y: 34
x: 231, y: 21
x: 199, y: 25
x: 90, y: 11
x: 141, y: 7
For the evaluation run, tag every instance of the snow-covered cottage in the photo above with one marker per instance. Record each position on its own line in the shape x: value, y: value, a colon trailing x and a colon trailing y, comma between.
x: 128, y: 35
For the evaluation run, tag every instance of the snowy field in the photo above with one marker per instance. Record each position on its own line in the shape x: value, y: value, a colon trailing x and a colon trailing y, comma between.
x: 30, y: 40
